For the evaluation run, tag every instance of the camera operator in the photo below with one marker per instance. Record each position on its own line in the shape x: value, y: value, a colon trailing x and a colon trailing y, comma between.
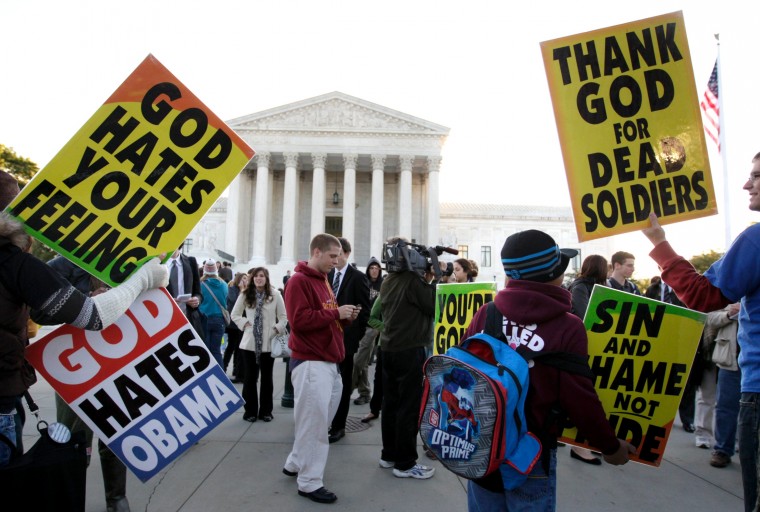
x: 407, y: 298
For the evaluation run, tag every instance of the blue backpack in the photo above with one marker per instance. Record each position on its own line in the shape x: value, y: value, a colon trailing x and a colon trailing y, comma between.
x: 472, y: 414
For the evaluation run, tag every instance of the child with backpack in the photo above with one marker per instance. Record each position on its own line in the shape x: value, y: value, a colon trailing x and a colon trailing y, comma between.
x: 535, y: 317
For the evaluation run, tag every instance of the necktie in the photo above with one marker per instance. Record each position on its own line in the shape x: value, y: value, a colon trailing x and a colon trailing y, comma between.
x: 173, y: 279
x: 336, y: 283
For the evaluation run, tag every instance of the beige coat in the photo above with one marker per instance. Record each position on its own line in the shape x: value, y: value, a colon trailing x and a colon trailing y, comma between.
x: 722, y: 330
x: 274, y: 320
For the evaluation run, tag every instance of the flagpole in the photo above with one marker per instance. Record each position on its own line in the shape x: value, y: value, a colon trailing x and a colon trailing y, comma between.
x: 722, y: 150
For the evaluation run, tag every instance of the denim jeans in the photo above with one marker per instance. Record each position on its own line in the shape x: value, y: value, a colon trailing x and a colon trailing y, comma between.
x: 214, y: 331
x: 748, y: 433
x: 727, y: 410
x: 537, y: 494
x: 8, y: 429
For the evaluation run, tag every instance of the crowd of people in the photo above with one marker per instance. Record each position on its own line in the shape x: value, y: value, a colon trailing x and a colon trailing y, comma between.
x: 339, y: 319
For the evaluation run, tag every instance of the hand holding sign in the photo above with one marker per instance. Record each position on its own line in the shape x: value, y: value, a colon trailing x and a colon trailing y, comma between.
x: 654, y: 233
x: 620, y: 457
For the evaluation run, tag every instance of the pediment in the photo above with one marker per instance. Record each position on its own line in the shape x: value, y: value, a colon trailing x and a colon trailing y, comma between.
x: 336, y: 112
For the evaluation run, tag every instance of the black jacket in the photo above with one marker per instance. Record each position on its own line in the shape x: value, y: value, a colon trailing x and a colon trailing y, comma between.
x: 354, y: 289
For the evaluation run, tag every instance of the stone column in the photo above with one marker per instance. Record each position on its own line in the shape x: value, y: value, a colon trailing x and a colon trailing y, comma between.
x: 232, y: 216
x: 377, y: 208
x: 349, y: 199
x: 287, y: 256
x: 318, y: 194
x: 405, y: 197
x: 260, y: 211
x: 433, y: 207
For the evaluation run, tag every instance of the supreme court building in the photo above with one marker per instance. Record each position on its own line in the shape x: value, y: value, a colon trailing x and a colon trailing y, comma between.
x: 345, y: 166
x: 334, y: 164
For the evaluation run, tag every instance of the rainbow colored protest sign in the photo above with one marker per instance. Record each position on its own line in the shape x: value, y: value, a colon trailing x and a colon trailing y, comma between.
x: 455, y: 305
x: 135, y: 179
x: 641, y: 351
x: 630, y: 126
x: 146, y: 385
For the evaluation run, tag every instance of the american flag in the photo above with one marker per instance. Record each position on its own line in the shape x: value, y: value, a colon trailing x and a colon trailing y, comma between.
x: 711, y: 109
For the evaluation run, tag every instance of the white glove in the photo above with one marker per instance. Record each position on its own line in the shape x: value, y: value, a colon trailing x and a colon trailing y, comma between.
x: 113, y: 303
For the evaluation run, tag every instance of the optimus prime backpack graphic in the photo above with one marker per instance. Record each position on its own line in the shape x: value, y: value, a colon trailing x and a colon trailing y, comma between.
x: 472, y: 416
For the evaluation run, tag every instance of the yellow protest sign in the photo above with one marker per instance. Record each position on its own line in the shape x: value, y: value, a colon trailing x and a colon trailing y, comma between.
x: 641, y: 351
x: 135, y: 179
x: 455, y: 305
x: 629, y: 125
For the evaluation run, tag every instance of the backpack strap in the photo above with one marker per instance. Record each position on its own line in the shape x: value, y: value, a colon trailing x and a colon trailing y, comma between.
x: 494, y: 322
x: 566, y: 361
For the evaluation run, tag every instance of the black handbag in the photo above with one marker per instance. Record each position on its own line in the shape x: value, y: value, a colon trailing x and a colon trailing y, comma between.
x: 197, y: 320
x: 49, y: 476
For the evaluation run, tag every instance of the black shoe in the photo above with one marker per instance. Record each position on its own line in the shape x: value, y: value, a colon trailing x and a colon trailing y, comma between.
x: 593, y: 461
x: 370, y: 416
x: 361, y: 400
x: 289, y: 473
x: 336, y: 435
x: 321, y: 495
x: 250, y: 419
x: 689, y: 427
x: 267, y: 418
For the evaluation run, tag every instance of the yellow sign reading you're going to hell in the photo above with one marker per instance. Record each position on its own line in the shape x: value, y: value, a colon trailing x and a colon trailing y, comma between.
x: 630, y: 127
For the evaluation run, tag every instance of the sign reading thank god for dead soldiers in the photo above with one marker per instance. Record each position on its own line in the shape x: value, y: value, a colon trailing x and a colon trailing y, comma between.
x: 455, y: 305
x: 629, y: 125
x: 135, y: 179
x: 640, y: 352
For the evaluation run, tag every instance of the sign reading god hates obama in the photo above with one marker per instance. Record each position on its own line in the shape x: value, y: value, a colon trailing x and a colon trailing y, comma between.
x: 135, y: 179
x: 629, y: 125
x: 640, y: 351
x: 455, y: 305
x: 146, y: 385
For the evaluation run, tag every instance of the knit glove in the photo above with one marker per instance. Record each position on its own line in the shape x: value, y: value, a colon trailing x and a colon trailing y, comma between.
x: 113, y: 303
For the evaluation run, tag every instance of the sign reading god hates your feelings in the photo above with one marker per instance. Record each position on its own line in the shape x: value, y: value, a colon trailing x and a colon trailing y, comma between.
x: 135, y: 179
x: 629, y: 125
x: 146, y: 385
x: 641, y: 351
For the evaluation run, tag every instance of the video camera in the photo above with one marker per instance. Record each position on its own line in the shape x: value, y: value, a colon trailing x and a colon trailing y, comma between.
x: 401, y: 256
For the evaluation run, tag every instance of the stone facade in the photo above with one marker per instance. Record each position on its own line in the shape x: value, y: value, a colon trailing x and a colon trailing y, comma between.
x: 342, y: 165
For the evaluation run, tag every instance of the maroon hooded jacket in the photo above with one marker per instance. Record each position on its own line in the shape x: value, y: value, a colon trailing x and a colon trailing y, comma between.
x: 538, y: 315
x: 316, y: 332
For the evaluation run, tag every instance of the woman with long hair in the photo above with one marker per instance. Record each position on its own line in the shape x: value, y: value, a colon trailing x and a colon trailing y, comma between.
x: 264, y: 317
x: 465, y: 271
x: 593, y: 272
x: 214, y: 291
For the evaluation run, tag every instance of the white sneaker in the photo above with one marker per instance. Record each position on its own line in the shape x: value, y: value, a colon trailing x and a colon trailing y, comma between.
x: 703, y: 442
x: 386, y: 464
x: 418, y: 471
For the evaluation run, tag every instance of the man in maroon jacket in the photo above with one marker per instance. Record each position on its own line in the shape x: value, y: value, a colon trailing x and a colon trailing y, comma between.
x: 536, y: 314
x: 316, y: 342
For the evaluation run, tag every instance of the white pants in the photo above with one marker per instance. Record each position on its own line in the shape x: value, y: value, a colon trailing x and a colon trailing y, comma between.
x: 317, y: 388
x: 703, y: 416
